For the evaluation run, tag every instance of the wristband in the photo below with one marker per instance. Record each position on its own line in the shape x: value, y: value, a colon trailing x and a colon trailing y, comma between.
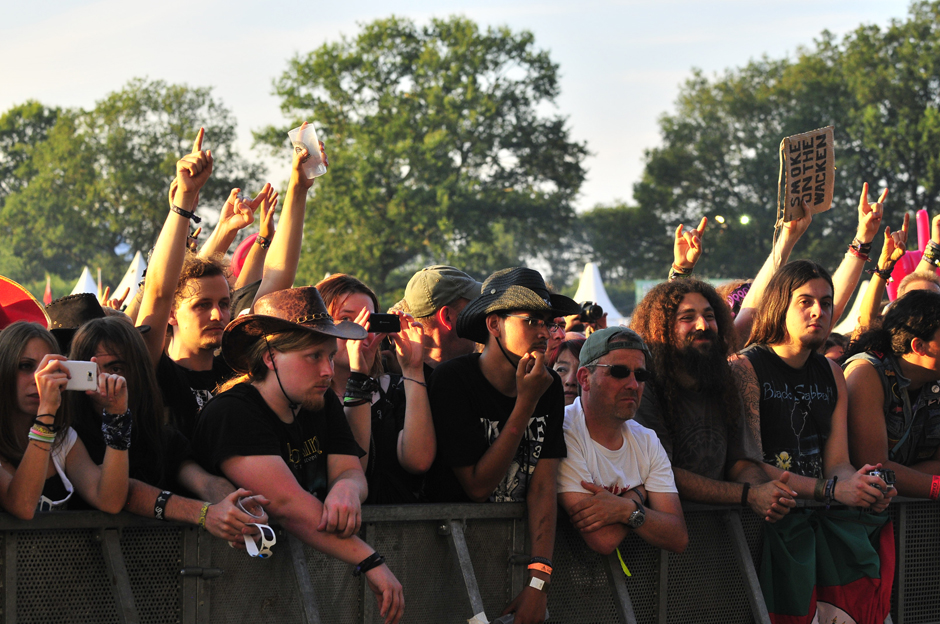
x: 861, y: 247
x: 202, y: 515
x: 678, y: 273
x: 747, y: 488
x: 831, y: 490
x: 116, y: 429
x: 935, y: 487
x: 884, y: 274
x: 932, y: 253
x: 541, y: 567
x: 541, y: 560
x: 372, y: 561
x: 819, y: 492
x: 420, y: 383
x: 54, y: 428
x: 186, y: 214
x: 264, y: 242
x: 159, y: 507
x: 858, y: 254
x: 38, y: 436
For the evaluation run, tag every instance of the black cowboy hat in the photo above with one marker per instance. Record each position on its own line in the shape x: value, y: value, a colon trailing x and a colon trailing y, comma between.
x: 517, y: 288
x: 293, y: 309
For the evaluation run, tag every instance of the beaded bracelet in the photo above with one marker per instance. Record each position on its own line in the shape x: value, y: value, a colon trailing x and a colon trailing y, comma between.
x: 264, y: 242
x: 202, y: 515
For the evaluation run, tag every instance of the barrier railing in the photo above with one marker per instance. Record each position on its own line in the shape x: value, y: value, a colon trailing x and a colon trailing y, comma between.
x: 454, y: 561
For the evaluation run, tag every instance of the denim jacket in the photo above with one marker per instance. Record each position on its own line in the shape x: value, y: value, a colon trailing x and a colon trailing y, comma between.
x: 913, y: 430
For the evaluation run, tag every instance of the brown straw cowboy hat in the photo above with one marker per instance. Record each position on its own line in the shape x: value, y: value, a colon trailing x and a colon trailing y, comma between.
x: 290, y: 310
x: 518, y: 288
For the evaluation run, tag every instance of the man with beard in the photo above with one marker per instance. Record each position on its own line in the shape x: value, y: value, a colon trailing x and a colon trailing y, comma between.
x: 612, y: 461
x: 693, y: 404
x: 280, y: 432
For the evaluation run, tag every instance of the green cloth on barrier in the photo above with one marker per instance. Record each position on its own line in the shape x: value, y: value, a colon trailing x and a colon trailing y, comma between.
x: 840, y: 562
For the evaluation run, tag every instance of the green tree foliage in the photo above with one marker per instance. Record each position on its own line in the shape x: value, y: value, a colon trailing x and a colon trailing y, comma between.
x: 879, y: 87
x: 90, y: 187
x: 439, y: 148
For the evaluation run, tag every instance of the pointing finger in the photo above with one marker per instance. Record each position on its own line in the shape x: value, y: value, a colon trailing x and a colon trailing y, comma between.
x: 197, y: 144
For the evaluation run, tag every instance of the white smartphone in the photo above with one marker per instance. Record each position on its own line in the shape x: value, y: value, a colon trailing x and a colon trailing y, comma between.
x: 82, y: 375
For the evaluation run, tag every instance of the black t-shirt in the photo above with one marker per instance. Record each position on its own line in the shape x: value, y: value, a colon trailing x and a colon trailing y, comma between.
x: 469, y: 414
x: 185, y: 392
x: 389, y: 483
x: 239, y: 423
x: 796, y: 406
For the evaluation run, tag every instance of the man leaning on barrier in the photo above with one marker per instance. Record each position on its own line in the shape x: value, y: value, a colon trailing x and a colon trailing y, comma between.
x: 498, y: 416
x: 278, y: 431
x: 796, y: 401
x: 616, y: 477
x: 693, y: 404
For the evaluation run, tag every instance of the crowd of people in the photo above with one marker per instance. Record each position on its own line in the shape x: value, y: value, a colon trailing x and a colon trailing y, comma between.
x: 224, y: 402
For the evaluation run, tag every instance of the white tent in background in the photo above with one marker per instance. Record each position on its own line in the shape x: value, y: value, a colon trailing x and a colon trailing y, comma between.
x: 85, y: 284
x: 132, y: 277
x: 591, y: 288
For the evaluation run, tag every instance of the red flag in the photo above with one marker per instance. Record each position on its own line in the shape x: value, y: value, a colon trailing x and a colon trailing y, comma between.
x: 47, y: 296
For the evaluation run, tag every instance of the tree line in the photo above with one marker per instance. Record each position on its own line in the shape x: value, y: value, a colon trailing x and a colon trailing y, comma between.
x: 441, y: 152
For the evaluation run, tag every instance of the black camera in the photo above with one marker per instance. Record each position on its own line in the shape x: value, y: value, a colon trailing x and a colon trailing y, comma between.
x: 591, y: 312
x: 885, y: 475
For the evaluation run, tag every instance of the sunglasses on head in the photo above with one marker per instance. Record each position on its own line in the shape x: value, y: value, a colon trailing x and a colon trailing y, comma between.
x: 619, y: 371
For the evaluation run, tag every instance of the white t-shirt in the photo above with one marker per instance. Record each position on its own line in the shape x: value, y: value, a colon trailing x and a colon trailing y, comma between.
x: 59, y: 455
x: 641, y: 459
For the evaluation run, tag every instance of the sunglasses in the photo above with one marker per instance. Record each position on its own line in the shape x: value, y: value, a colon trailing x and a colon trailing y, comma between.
x: 619, y: 371
x: 537, y: 322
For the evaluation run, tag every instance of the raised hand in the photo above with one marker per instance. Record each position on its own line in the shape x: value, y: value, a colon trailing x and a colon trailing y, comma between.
x: 268, y: 206
x: 111, y: 394
x: 193, y: 169
x: 409, y: 344
x: 298, y: 177
x: 895, y: 245
x: 51, y: 377
x: 688, y: 245
x: 115, y: 303
x: 869, y: 215
x: 362, y: 352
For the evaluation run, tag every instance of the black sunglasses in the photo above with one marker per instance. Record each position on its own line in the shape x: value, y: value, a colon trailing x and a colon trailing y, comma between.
x: 619, y: 371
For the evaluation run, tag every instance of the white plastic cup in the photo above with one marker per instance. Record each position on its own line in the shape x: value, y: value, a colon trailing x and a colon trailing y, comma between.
x: 313, y: 166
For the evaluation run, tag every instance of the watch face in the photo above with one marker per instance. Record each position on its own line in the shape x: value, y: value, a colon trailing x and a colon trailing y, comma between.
x: 537, y: 583
x: 637, y: 518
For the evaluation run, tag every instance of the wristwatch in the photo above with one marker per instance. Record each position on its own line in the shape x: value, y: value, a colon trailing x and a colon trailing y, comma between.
x: 638, y: 517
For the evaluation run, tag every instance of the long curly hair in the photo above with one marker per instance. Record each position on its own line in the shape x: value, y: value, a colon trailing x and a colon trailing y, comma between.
x: 915, y: 315
x: 655, y: 320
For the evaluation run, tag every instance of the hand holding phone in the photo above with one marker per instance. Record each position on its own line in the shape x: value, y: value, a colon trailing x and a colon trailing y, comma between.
x: 82, y: 375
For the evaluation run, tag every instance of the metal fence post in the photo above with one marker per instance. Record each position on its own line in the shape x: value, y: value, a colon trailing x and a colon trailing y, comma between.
x: 622, y: 595
x: 662, y: 606
x: 308, y: 599
x: 9, y: 578
x: 120, y: 581
x: 454, y: 530
x: 754, y: 594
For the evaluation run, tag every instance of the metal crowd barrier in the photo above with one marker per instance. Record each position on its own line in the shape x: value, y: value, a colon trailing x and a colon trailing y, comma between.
x: 454, y: 561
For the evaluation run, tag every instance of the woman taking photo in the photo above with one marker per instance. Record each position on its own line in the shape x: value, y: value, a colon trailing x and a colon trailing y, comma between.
x: 42, y: 461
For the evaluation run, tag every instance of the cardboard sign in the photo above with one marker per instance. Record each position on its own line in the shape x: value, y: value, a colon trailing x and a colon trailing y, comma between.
x: 807, y: 163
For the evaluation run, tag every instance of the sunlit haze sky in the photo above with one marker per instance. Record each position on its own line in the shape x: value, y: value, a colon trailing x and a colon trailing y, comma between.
x: 621, y: 63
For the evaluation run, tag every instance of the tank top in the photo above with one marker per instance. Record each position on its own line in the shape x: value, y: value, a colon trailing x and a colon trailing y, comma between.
x: 796, y: 406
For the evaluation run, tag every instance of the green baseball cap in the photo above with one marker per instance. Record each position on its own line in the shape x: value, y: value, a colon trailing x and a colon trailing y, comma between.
x: 603, y: 341
x: 434, y: 287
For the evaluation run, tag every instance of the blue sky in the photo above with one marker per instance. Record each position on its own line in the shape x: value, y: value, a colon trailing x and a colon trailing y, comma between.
x: 622, y: 62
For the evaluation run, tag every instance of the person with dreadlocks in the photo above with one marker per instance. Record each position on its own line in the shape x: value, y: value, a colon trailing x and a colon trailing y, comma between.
x: 693, y: 404
x: 892, y: 375
x: 278, y: 431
